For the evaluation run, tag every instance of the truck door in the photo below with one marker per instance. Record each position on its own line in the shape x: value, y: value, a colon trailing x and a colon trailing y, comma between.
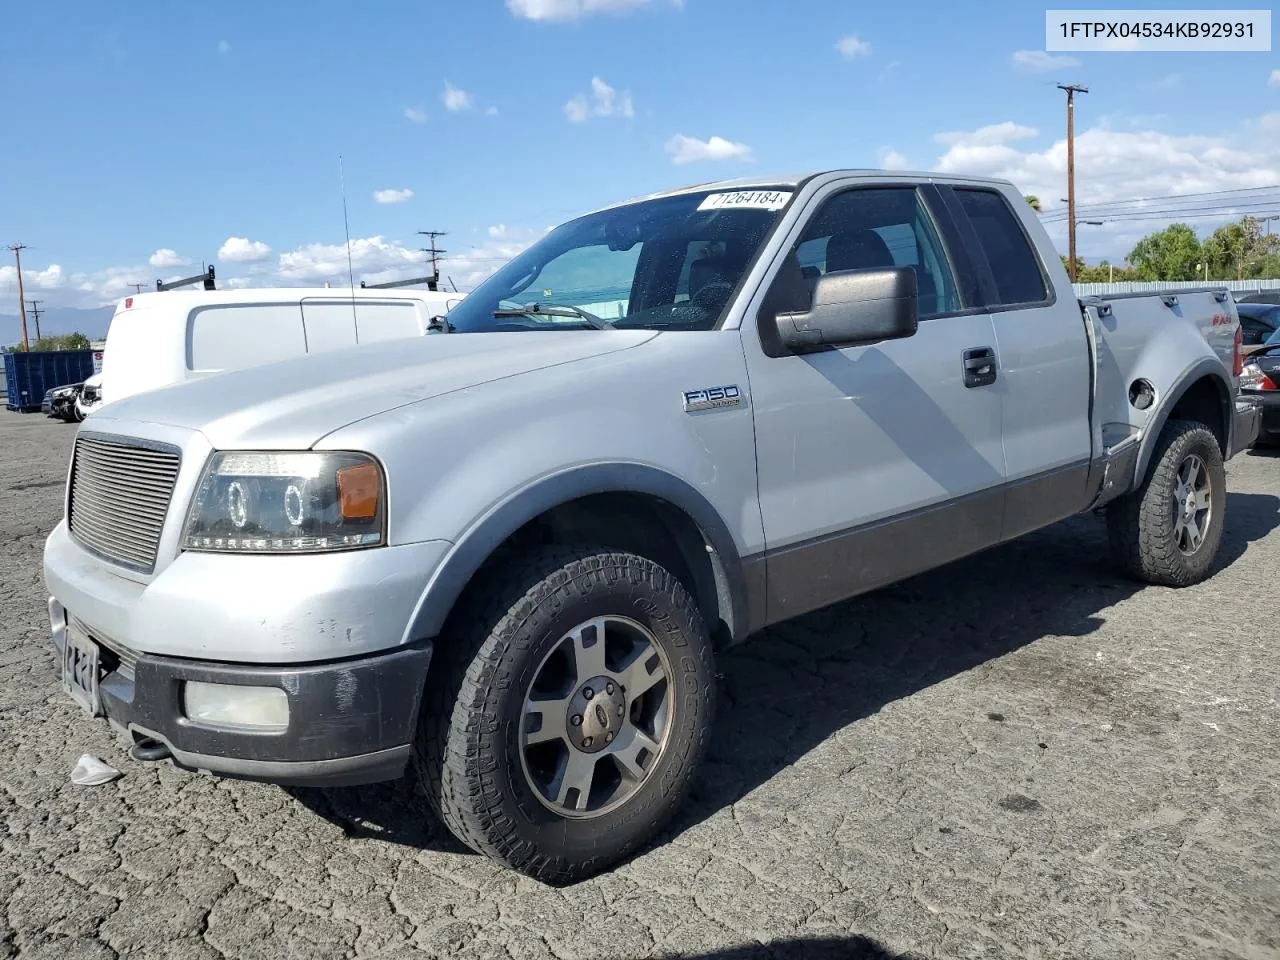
x: 1043, y: 356
x: 874, y: 462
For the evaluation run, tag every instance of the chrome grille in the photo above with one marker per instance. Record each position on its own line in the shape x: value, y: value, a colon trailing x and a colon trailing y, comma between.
x: 120, y: 490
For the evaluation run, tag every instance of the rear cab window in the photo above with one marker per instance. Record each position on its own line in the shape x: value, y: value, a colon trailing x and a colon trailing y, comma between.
x: 1016, y: 273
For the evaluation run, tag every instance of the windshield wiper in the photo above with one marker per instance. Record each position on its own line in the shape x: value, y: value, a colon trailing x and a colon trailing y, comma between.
x: 556, y: 310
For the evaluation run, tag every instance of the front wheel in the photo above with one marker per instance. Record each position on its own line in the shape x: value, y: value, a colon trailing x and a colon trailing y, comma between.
x: 567, y: 714
x: 1168, y: 531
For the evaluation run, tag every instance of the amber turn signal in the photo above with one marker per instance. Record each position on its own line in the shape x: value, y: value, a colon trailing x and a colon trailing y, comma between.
x: 358, y: 490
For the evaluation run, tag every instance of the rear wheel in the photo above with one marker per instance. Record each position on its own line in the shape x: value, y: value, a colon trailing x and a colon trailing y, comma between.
x: 566, y: 716
x: 1168, y: 531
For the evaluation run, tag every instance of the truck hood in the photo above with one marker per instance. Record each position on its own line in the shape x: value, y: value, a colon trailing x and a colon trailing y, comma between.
x: 292, y: 404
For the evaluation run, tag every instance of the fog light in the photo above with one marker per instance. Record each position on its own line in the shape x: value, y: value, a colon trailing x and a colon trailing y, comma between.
x: 231, y: 706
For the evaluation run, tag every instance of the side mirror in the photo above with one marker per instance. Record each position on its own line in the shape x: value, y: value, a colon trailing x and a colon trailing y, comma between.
x: 855, y: 307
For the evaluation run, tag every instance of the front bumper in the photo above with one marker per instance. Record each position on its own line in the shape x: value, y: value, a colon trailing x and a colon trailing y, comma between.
x: 247, y: 609
x: 331, y: 630
x: 350, y: 721
x: 1268, y: 404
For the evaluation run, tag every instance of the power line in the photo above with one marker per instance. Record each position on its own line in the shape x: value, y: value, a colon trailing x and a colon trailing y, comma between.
x: 35, y: 314
x: 1071, y: 89
x: 1154, y: 213
x: 435, y: 254
x: 17, y: 249
x: 1173, y: 202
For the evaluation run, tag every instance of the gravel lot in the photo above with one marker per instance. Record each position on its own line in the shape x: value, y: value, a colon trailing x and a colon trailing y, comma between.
x: 1021, y: 755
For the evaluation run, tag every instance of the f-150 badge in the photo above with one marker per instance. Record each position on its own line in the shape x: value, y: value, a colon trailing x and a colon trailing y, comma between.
x: 711, y: 398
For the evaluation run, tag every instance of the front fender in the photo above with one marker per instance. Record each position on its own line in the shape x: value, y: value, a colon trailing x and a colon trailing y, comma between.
x: 474, y: 466
x: 489, y: 531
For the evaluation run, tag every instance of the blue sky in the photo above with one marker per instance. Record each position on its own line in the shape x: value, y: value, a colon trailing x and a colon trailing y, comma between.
x: 141, y: 143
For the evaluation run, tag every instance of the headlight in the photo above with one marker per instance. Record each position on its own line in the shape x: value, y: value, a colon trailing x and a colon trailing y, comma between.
x: 287, y: 503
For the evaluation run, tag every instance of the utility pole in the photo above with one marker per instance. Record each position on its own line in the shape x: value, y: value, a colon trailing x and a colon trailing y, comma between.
x: 1071, y: 89
x: 435, y: 253
x: 35, y: 314
x: 17, y: 249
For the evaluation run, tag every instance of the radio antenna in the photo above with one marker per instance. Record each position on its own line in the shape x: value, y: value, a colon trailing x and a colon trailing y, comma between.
x: 351, y: 274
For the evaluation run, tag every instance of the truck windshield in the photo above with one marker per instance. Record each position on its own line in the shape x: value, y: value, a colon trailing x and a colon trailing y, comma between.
x: 671, y: 263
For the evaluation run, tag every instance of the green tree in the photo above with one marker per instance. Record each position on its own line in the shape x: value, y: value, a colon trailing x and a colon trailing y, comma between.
x: 69, y: 341
x: 1168, y: 254
x: 1034, y: 201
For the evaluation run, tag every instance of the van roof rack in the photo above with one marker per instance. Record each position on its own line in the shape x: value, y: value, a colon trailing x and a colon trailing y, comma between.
x: 206, y: 278
x: 431, y: 282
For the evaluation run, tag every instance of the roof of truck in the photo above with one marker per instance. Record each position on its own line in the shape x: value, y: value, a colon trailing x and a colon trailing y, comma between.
x: 795, y: 179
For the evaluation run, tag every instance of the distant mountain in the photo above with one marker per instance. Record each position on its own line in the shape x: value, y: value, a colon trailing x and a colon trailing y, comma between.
x: 92, y: 323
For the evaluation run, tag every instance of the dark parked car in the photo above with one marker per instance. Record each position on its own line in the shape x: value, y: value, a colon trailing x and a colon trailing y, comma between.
x: 60, y: 402
x: 1258, y: 321
x: 1262, y: 296
x: 1261, y: 381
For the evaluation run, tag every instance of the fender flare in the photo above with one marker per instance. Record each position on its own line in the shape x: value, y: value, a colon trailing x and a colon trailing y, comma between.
x: 484, y: 536
x: 1205, y: 366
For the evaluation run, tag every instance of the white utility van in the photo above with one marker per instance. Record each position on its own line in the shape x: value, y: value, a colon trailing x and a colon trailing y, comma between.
x: 158, y: 339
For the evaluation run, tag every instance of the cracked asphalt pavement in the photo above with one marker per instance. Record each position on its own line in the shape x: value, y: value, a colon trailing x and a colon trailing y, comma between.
x: 1019, y: 755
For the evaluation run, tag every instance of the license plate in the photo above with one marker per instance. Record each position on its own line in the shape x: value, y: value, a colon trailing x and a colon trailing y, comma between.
x: 80, y: 670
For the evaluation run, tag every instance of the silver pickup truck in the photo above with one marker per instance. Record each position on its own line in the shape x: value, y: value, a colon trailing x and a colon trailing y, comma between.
x: 504, y: 556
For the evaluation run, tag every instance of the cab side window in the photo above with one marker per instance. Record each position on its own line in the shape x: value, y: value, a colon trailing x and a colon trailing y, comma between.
x: 1015, y: 267
x: 875, y: 227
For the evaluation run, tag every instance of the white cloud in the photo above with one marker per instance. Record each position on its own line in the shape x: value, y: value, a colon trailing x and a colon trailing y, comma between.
x: 392, y: 196
x: 455, y: 100
x: 164, y: 257
x: 243, y: 250
x: 992, y: 135
x: 1038, y: 61
x: 1274, y: 79
x: 891, y: 159
x: 1114, y: 165
x: 1269, y: 123
x: 415, y: 114
x: 379, y: 260
x: 604, y: 102
x: 850, y: 46
x: 223, y: 46
x: 51, y: 277
x: 573, y: 9
x: 691, y: 150
x: 490, y: 111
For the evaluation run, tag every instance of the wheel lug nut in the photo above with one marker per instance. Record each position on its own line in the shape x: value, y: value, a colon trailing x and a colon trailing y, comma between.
x: 608, y: 688
x: 576, y: 720
x: 588, y: 693
x: 621, y: 710
x: 608, y: 737
x: 586, y: 741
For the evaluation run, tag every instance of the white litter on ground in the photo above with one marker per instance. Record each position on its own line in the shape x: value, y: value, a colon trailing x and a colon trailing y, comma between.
x: 92, y: 772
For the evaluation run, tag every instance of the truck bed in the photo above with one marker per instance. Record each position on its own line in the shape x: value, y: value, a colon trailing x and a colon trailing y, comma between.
x: 1136, y: 336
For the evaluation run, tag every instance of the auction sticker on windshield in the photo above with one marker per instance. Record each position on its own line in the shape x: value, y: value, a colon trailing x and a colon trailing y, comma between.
x: 747, y: 199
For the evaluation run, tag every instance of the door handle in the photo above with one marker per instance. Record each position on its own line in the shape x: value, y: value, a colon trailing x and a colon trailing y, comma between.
x: 979, y: 367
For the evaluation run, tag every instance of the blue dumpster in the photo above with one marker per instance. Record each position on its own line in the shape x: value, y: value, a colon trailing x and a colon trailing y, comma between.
x: 28, y: 375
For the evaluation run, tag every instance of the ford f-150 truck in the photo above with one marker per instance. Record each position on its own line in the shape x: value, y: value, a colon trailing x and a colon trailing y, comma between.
x: 503, y: 556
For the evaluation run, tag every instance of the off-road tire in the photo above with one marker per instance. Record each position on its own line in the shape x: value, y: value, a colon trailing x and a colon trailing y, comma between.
x: 1140, y: 525
x: 466, y: 754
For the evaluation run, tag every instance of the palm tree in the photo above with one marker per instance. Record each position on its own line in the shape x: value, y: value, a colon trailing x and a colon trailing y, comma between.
x: 1034, y: 201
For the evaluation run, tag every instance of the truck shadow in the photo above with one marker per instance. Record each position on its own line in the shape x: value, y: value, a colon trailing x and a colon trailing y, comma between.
x: 853, y: 947
x: 790, y: 688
